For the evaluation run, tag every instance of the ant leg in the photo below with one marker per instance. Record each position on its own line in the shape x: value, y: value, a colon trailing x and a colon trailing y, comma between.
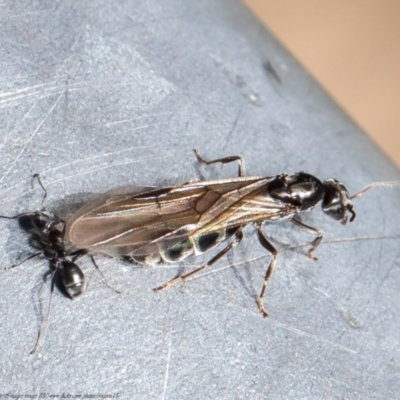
x: 225, y: 160
x: 227, y: 249
x: 77, y: 254
x: 104, y: 278
x: 45, y: 321
x: 315, y: 243
x: 26, y: 259
x: 269, y: 247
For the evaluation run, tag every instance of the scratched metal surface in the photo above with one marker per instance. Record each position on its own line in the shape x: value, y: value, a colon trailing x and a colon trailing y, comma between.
x: 96, y: 95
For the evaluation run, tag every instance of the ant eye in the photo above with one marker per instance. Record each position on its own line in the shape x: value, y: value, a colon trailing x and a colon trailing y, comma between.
x: 27, y: 222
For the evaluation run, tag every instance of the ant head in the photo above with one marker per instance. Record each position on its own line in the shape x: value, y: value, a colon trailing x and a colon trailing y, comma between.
x: 28, y: 222
x: 337, y: 201
x: 38, y: 221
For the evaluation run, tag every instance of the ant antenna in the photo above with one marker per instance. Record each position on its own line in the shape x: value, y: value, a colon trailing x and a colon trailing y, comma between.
x: 26, y: 259
x: 375, y: 184
x: 37, y: 176
x: 46, y: 320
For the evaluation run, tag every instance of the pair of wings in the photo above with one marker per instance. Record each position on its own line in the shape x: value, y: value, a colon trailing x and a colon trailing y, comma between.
x: 143, y: 221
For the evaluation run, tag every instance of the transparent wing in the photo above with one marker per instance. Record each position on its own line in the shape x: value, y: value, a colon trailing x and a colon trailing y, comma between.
x: 155, y: 219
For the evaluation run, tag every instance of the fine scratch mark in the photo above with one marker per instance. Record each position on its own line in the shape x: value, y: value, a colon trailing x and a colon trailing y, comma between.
x: 256, y: 314
x: 124, y: 121
x: 86, y: 172
x: 309, y: 363
x: 95, y: 169
x: 39, y: 126
x: 86, y: 160
x: 288, y: 248
x: 29, y: 89
x: 389, y: 270
x: 344, y: 312
x: 74, y: 162
x: 31, y: 137
x: 137, y: 128
x: 228, y: 137
x: 317, y: 339
x: 22, y: 95
x: 20, y: 123
x: 168, y: 362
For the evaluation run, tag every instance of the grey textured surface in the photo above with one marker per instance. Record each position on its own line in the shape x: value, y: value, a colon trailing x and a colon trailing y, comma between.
x: 95, y: 95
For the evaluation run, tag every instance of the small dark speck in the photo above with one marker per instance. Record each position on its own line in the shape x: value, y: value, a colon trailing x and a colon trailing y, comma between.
x: 271, y: 71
